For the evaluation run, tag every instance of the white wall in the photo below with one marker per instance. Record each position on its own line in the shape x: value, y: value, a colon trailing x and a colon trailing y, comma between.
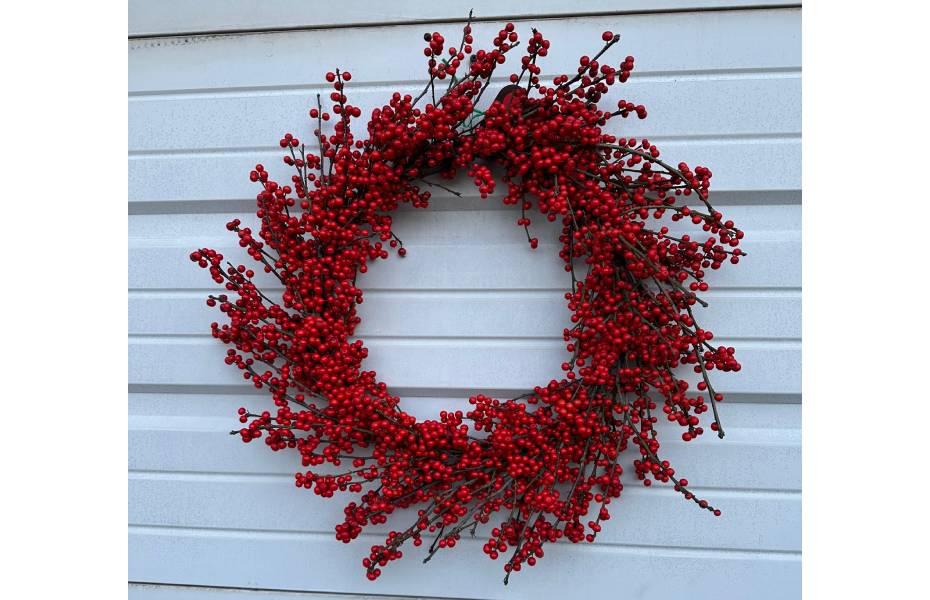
x: 471, y: 308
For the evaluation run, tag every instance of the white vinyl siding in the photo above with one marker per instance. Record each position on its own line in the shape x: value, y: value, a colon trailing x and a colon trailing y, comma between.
x: 470, y: 309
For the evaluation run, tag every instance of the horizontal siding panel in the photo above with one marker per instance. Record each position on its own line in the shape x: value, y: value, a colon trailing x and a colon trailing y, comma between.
x: 775, y: 264
x: 304, y: 561
x: 172, y: 17
x: 470, y: 221
x: 196, y: 411
x: 757, y: 459
x: 513, y: 314
x: 481, y: 364
x: 149, y: 591
x: 731, y: 106
x: 751, y: 520
x: 702, y: 42
x: 212, y: 179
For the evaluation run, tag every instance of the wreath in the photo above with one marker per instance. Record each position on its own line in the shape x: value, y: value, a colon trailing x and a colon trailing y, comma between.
x: 546, y: 462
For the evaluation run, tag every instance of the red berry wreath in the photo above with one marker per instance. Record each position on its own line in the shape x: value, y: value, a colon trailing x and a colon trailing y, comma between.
x: 546, y: 461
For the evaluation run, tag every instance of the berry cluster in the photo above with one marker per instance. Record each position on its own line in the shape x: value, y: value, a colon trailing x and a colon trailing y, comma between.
x: 547, y: 462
